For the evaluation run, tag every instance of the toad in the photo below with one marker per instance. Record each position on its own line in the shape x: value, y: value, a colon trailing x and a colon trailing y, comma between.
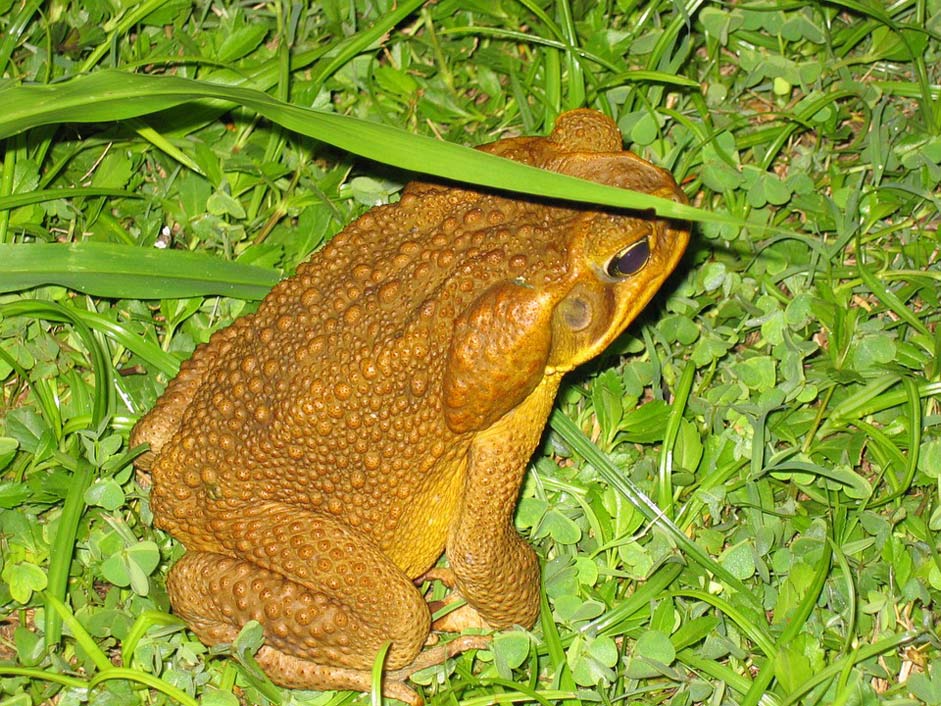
x: 380, y: 407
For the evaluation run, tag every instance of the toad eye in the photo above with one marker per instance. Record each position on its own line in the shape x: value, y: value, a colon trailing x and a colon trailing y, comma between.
x: 630, y: 260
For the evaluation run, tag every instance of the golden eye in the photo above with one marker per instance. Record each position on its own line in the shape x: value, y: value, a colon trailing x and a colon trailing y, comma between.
x: 630, y: 260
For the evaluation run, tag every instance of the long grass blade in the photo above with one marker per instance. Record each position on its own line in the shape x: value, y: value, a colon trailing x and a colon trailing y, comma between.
x: 115, y: 95
x: 118, y: 271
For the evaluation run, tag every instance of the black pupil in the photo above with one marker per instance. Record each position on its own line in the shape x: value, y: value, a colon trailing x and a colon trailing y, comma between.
x: 631, y: 260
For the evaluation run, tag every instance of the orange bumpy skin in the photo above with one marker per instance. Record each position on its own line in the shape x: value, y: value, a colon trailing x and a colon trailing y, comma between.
x: 381, y: 406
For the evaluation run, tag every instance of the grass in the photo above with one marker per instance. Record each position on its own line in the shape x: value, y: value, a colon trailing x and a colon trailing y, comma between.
x: 737, y: 504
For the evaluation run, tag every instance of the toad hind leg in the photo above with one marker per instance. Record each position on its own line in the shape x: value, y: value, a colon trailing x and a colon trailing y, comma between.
x: 327, y: 597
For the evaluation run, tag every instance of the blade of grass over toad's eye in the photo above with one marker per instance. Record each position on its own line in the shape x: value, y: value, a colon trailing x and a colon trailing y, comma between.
x: 118, y: 271
x: 115, y: 95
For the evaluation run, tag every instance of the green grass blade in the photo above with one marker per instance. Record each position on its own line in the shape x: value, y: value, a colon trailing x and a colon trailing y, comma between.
x: 101, y: 364
x: 118, y: 271
x: 148, y: 352
x: 115, y: 95
x: 43, y: 195
x: 63, y: 544
x: 149, y: 680
x: 753, y: 630
x: 63, y: 548
x: 611, y: 622
x: 38, y: 675
x: 553, y: 643
x: 888, y: 297
x: 118, y: 28
x: 344, y: 51
x: 793, y: 626
x: 14, y: 30
x: 722, y: 674
x: 866, y: 652
x: 584, y: 447
x: 81, y: 636
x: 648, y: 76
x: 665, y: 485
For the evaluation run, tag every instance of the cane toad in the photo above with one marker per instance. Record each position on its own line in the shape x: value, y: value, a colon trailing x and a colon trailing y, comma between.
x: 318, y: 456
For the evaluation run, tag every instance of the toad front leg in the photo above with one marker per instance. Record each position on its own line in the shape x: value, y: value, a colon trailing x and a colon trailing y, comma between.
x: 495, y: 569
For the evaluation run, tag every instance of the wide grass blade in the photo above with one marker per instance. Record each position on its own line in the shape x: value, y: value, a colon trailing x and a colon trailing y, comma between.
x: 114, y: 95
x: 118, y: 271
